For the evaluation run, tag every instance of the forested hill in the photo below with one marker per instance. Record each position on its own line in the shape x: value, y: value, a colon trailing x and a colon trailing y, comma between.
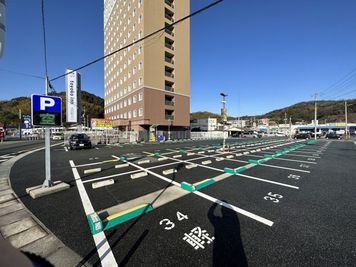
x: 9, y: 109
x: 328, y: 111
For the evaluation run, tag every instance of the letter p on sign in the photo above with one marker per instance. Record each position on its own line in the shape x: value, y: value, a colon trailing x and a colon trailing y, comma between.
x: 46, y: 102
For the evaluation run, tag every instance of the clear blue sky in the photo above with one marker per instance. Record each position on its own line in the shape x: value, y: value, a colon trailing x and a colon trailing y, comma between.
x: 270, y: 54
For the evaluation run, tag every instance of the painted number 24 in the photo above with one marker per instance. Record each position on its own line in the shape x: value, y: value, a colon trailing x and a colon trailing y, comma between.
x: 273, y: 197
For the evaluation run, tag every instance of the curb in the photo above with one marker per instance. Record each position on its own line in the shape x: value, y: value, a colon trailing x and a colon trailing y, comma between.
x: 23, y: 230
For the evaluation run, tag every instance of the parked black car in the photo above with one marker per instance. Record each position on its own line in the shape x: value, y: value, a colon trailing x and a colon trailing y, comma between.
x: 333, y: 135
x: 302, y: 136
x: 79, y: 141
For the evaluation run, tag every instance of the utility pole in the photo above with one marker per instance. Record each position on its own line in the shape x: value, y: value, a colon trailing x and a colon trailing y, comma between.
x: 224, y: 117
x: 239, y: 124
x: 48, y: 181
x: 20, y: 115
x: 315, y: 114
x: 346, y: 129
x: 290, y: 127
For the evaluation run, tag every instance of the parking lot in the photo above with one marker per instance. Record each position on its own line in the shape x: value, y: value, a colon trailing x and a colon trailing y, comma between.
x: 268, y: 201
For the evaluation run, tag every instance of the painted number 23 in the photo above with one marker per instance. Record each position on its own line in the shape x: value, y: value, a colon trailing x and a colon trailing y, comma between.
x: 273, y: 197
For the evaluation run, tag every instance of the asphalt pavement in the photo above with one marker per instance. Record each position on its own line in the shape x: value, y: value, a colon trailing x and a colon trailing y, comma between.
x: 296, y: 209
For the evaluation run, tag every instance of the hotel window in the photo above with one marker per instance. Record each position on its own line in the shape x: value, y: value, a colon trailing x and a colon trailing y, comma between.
x: 129, y: 88
x: 140, y: 112
x: 140, y: 81
x: 140, y: 96
x: 129, y: 114
x: 134, y: 85
x: 125, y: 103
x: 134, y: 113
x: 129, y: 101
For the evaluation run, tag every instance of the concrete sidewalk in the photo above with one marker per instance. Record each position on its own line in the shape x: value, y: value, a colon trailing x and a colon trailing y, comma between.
x: 24, y: 231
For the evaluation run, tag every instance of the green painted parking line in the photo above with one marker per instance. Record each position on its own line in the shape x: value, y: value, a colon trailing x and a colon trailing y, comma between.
x: 199, y: 185
x: 97, y: 225
x: 187, y: 186
x: 269, y: 156
x: 228, y: 170
x: 253, y: 161
x: 240, y: 169
x: 204, y: 183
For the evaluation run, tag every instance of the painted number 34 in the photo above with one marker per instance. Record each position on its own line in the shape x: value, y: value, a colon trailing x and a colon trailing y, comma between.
x: 273, y: 197
x: 169, y: 225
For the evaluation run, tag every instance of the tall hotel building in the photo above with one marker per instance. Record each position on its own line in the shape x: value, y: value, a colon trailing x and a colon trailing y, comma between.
x: 147, y: 85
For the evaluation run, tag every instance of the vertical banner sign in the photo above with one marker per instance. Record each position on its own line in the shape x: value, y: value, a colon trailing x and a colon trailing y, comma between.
x: 224, y: 114
x: 73, y: 96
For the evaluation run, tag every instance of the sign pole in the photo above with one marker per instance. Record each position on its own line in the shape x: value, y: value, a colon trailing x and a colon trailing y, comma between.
x: 48, y: 181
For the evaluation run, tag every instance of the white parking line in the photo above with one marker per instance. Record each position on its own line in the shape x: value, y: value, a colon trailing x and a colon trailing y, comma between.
x: 292, y: 160
x: 236, y: 209
x: 102, y: 245
x: 284, y: 168
x: 267, y: 181
x: 205, y: 196
x: 246, y: 176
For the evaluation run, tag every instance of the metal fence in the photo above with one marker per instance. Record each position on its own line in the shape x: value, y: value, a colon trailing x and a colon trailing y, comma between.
x: 208, y: 135
x: 110, y: 136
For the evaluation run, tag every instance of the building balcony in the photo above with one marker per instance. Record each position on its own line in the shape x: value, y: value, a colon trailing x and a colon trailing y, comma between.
x: 169, y: 117
x: 169, y: 103
x: 170, y: 18
x: 169, y: 60
x: 169, y: 46
x: 170, y: 32
x: 169, y: 3
x: 169, y: 88
x: 169, y: 74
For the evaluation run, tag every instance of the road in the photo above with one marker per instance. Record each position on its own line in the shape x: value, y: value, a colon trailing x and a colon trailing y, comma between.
x: 10, y: 149
x: 296, y: 209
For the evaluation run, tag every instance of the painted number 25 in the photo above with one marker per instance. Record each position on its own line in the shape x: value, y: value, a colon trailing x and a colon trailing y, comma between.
x: 273, y: 197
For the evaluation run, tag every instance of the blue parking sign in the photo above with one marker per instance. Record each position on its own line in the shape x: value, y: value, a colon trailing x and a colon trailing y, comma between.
x: 46, y: 110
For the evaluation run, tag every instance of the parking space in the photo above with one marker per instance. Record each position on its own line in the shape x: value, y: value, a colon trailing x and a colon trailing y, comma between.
x: 191, y: 198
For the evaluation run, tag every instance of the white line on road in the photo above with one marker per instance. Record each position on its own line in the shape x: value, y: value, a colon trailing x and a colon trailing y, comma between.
x: 284, y: 168
x: 293, y: 160
x: 205, y: 196
x: 236, y: 209
x: 102, y: 245
x: 66, y: 149
x: 267, y: 181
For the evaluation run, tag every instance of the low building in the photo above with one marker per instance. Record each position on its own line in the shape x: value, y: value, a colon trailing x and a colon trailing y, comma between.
x: 204, y: 125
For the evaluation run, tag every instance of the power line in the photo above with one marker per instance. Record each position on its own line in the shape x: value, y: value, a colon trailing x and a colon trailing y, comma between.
x: 139, y: 40
x: 44, y: 37
x: 340, y: 83
x: 21, y: 73
x: 349, y: 92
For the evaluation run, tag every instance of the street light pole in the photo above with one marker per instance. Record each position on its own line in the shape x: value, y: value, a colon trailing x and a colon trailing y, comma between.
x: 346, y: 130
x: 224, y: 115
x: 315, y: 115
